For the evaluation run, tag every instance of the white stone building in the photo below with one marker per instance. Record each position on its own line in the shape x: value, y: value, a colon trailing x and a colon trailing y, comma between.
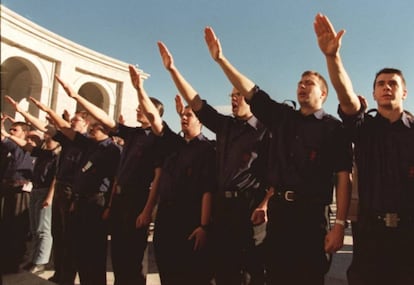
x: 32, y: 55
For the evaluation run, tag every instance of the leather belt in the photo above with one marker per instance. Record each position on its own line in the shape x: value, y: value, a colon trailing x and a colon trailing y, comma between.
x: 236, y: 194
x: 393, y: 220
x: 288, y: 195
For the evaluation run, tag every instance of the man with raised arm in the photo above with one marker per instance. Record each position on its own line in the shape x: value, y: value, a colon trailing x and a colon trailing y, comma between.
x: 92, y: 183
x: 68, y: 163
x: 384, y: 154
x: 240, y: 201
x: 308, y: 150
x: 40, y: 210
x: 14, y: 198
x: 134, y: 193
x: 186, y: 182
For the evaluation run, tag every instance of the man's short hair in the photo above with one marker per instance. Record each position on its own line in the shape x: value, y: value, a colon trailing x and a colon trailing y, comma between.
x: 23, y: 125
x: 389, y: 70
x: 157, y: 103
x: 322, y: 80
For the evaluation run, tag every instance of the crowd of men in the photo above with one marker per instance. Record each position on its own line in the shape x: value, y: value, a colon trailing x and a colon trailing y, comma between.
x: 250, y: 207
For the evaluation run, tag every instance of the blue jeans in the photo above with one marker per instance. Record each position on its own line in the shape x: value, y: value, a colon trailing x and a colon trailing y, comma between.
x: 40, y: 226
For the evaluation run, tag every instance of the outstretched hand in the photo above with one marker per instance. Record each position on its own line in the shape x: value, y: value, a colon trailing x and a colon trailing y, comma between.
x: 328, y: 40
x: 213, y: 44
x: 68, y: 89
x: 136, y: 79
x: 179, y: 105
x: 14, y: 104
x: 167, y: 58
x: 39, y: 104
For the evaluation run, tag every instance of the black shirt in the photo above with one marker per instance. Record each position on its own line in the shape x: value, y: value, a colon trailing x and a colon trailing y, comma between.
x: 305, y: 151
x: 139, y: 157
x: 241, y: 147
x: 97, y: 166
x: 45, y: 167
x: 20, y: 163
x: 188, y: 171
x: 384, y: 154
x: 69, y: 159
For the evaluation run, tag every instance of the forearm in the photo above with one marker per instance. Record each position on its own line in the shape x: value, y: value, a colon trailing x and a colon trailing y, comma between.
x: 35, y: 122
x: 237, y: 79
x: 206, y: 209
x: 95, y: 111
x: 340, y: 80
x: 153, y: 193
x: 150, y: 111
x: 186, y: 90
x: 22, y: 143
x: 343, y: 195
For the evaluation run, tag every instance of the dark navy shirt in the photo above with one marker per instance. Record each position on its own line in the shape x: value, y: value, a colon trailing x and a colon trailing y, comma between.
x: 98, y: 165
x: 139, y: 157
x: 188, y: 170
x: 305, y: 151
x: 20, y: 163
x: 384, y: 154
x: 240, y: 150
x: 45, y: 167
x: 69, y: 159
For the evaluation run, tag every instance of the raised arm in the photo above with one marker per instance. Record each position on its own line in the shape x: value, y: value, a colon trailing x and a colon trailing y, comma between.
x: 330, y: 43
x: 35, y: 122
x: 91, y: 108
x: 186, y: 90
x: 237, y: 79
x: 145, y: 102
x: 58, y: 120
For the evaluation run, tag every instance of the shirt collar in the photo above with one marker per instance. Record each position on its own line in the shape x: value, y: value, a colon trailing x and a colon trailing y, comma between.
x: 254, y: 122
x: 405, y: 119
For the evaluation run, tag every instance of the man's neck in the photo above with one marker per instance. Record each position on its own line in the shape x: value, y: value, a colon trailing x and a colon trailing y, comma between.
x: 392, y: 114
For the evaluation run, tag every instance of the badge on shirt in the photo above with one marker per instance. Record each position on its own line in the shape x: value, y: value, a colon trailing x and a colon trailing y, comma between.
x: 87, y: 166
x: 27, y: 187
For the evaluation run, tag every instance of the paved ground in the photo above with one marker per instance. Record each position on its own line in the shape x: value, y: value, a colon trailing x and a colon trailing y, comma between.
x: 336, y: 275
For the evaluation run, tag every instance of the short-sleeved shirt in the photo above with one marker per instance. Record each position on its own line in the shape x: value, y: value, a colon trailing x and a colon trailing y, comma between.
x: 69, y: 159
x: 384, y: 154
x: 240, y: 148
x: 305, y: 151
x: 188, y: 170
x: 20, y: 163
x: 45, y: 167
x: 139, y: 157
x: 98, y: 165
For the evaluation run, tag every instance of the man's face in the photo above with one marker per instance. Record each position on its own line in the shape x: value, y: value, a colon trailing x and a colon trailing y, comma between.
x: 190, y: 122
x: 239, y: 107
x: 141, y: 118
x: 309, y: 91
x: 79, y: 124
x: 389, y: 90
x: 17, y: 131
x: 96, y: 132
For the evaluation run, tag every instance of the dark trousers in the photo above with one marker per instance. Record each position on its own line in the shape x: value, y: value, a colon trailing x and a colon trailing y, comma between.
x: 178, y: 263
x: 294, y: 244
x: 62, y: 223
x: 14, y: 227
x: 235, y: 254
x: 90, y: 241
x: 128, y: 243
x: 381, y: 255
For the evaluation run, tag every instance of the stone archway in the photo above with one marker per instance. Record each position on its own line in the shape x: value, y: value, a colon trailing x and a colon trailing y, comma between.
x: 20, y: 79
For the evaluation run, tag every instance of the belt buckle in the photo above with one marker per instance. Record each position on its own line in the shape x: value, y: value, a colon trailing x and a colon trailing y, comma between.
x: 289, y: 196
x: 230, y: 194
x: 391, y: 220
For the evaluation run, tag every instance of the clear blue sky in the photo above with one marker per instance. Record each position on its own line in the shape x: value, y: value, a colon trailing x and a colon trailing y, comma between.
x: 270, y: 41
